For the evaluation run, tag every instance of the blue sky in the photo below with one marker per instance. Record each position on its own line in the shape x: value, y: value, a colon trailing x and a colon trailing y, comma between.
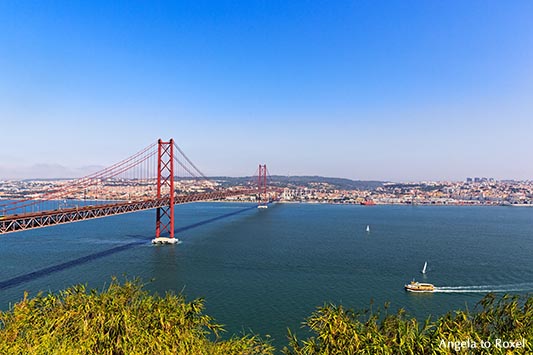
x: 387, y: 90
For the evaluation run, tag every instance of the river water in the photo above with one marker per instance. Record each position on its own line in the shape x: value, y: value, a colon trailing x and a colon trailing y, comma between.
x: 264, y: 270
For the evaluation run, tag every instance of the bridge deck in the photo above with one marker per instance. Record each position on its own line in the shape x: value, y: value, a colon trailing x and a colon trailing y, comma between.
x: 26, y: 221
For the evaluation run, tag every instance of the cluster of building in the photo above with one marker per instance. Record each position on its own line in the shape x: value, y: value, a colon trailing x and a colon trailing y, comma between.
x: 116, y: 189
x: 473, y: 191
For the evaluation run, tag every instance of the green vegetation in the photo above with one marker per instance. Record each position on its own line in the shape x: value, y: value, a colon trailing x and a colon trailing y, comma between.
x: 126, y: 319
x: 502, y: 326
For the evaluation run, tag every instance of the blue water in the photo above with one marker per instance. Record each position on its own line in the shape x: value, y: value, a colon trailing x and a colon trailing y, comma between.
x: 267, y: 269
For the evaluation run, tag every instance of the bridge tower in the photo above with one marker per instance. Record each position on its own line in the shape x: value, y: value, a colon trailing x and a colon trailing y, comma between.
x: 165, y: 189
x: 262, y: 185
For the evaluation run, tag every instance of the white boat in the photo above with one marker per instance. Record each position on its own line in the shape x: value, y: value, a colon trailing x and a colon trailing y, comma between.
x: 424, y: 268
x: 367, y: 228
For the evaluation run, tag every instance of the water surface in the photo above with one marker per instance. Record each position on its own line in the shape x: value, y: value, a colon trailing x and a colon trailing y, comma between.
x: 267, y: 269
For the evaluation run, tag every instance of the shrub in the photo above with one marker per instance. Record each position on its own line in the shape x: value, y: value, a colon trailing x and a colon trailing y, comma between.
x: 123, y: 319
x: 337, y: 331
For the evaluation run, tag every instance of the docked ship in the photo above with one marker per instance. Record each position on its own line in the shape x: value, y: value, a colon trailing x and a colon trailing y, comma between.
x: 415, y: 286
x: 368, y: 203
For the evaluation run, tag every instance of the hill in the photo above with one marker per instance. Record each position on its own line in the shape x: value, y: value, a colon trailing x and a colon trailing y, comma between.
x: 304, y: 181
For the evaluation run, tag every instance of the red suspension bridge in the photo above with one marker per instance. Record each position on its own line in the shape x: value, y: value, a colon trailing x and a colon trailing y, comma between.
x: 158, y: 177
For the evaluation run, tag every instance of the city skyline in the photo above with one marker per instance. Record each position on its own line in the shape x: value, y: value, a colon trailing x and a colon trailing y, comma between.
x: 363, y: 90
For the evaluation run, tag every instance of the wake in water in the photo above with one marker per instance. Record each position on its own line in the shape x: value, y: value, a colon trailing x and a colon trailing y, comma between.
x: 520, y: 287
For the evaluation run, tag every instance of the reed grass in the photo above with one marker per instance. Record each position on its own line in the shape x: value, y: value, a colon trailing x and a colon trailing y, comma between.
x: 124, y: 318
x: 497, y: 326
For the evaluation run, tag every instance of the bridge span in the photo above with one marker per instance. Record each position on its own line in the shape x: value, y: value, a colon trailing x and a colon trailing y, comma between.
x: 152, y: 172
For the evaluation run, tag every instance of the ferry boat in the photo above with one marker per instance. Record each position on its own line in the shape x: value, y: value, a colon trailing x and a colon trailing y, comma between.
x: 415, y: 286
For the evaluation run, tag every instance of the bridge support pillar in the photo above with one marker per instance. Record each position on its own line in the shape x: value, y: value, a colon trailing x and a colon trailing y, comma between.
x: 165, y: 189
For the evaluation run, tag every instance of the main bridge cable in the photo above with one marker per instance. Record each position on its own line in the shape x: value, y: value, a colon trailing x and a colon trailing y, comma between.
x: 200, y: 173
x: 192, y: 169
x: 196, y: 173
x: 87, y: 181
x: 84, y: 182
x: 190, y: 162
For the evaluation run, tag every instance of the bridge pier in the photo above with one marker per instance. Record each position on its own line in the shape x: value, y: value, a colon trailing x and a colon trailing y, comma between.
x: 165, y: 240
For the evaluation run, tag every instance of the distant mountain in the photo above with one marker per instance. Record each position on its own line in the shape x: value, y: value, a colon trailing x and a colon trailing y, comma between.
x: 304, y: 181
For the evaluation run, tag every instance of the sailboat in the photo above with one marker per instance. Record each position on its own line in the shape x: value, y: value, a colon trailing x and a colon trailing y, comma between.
x: 367, y: 228
x: 423, y: 271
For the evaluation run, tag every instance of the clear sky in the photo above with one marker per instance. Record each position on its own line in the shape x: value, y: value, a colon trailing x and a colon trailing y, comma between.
x: 387, y: 90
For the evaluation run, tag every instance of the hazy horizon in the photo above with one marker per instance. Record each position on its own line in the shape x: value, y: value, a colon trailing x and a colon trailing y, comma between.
x: 53, y: 172
x: 365, y: 90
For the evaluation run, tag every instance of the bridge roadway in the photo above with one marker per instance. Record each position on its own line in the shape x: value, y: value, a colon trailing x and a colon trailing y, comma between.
x: 26, y: 221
